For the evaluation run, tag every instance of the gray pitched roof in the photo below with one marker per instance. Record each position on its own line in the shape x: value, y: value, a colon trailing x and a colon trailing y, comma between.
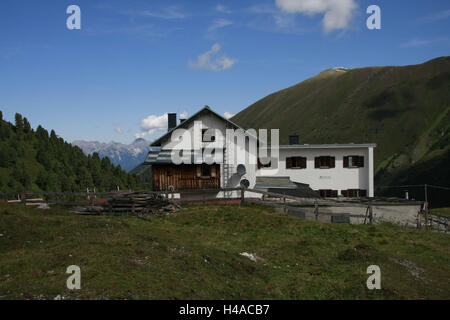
x: 165, y: 157
x: 284, y: 185
x: 185, y: 124
x: 274, y: 182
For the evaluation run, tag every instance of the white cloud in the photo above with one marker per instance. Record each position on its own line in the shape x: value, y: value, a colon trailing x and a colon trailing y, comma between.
x: 151, y: 124
x: 437, y: 16
x: 144, y: 134
x: 211, y: 61
x: 338, y: 13
x: 261, y: 9
x: 118, y: 129
x: 266, y: 17
x: 414, y: 43
x: 228, y: 115
x: 284, y: 20
x: 184, y: 115
x: 154, y: 122
x: 168, y: 13
x: 220, y: 23
x: 222, y: 9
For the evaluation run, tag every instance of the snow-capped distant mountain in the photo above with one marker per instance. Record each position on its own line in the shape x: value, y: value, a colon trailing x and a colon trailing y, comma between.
x: 128, y: 156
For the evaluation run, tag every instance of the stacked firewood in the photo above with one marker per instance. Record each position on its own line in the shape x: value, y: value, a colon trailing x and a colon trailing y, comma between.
x: 135, y: 203
x: 140, y: 203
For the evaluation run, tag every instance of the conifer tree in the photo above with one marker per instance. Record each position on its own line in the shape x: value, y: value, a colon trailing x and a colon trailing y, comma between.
x: 26, y: 125
x: 18, y: 122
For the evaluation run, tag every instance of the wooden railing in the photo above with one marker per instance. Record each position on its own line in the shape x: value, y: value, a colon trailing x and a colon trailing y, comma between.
x: 433, y: 221
x: 194, y: 184
x: 190, y: 184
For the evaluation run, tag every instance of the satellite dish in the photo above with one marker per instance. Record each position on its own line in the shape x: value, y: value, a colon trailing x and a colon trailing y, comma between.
x: 241, y: 170
x: 245, y: 183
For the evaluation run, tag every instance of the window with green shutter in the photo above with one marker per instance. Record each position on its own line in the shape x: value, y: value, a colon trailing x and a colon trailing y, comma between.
x: 296, y: 163
x: 354, y: 162
x: 354, y: 193
x: 324, y: 162
x: 326, y: 193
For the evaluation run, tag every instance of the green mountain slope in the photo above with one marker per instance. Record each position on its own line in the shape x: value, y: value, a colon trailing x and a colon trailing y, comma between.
x: 405, y: 110
x: 144, y: 173
x: 39, y: 161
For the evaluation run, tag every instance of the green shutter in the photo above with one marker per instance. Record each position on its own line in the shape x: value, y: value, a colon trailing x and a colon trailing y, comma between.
x: 332, y: 162
x: 361, y: 162
x: 303, y: 163
x: 288, y: 163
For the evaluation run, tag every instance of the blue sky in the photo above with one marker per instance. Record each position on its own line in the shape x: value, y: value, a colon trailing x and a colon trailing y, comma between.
x: 133, y: 61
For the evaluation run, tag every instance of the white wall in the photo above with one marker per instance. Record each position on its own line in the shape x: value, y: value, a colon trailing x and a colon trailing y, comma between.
x: 208, y: 121
x: 371, y: 171
x: 338, y: 178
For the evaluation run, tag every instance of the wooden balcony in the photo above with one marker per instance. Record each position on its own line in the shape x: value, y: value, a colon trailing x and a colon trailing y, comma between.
x: 184, y: 177
x: 198, y: 183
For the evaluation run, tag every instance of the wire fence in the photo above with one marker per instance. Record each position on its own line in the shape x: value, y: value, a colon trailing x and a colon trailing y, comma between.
x: 433, y: 195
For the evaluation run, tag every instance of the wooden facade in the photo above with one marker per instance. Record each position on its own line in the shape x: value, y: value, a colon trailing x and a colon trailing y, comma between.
x: 185, y: 177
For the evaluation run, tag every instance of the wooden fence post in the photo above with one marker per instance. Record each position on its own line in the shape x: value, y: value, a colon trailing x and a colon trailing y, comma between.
x: 316, y: 210
x: 419, y: 220
x: 24, y: 198
x: 446, y: 224
x: 242, y: 195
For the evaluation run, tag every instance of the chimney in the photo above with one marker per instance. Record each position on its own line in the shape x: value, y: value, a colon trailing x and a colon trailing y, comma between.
x: 171, y: 121
x: 293, y: 139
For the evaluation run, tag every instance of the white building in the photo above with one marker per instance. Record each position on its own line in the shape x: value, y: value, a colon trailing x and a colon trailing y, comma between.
x: 330, y: 169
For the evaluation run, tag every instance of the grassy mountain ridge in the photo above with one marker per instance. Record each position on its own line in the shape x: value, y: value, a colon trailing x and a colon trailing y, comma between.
x: 405, y: 110
x: 144, y: 172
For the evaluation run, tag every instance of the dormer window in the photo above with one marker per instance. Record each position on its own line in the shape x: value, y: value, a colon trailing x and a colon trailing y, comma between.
x: 293, y: 139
